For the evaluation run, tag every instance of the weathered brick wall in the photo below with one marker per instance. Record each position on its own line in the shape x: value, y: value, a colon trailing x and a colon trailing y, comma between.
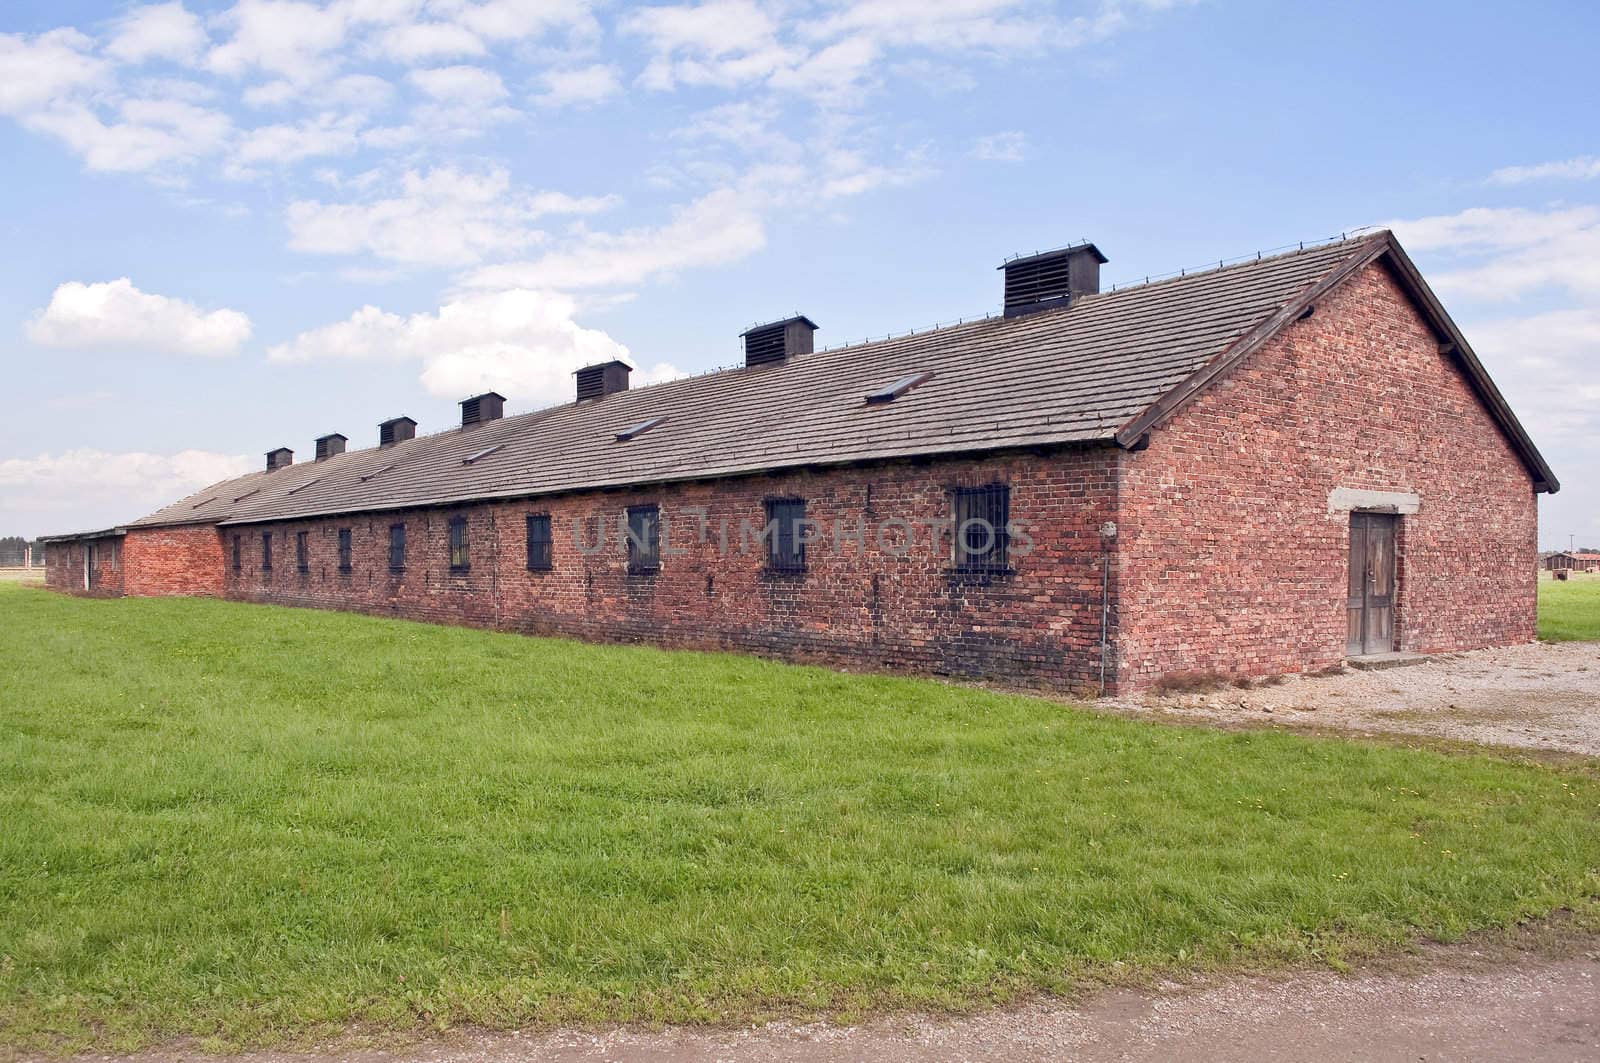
x: 181, y: 560
x: 64, y: 567
x: 1229, y: 557
x: 858, y: 604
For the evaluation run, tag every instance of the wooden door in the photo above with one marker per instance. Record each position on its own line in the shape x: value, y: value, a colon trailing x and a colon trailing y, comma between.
x: 1372, y: 584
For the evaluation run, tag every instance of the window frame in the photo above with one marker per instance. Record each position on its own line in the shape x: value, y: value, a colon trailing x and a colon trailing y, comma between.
x: 302, y: 552
x: 544, y: 559
x: 397, y: 546
x: 238, y: 553
x: 459, y: 544
x: 346, y: 551
x: 990, y: 503
x: 266, y: 552
x: 779, y: 562
x: 647, y: 564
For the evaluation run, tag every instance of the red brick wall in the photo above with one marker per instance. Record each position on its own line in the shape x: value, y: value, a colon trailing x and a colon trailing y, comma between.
x: 64, y: 567
x: 1230, y: 559
x: 183, y: 560
x: 855, y: 605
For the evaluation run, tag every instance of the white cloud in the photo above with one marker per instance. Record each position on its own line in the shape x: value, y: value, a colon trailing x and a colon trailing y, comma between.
x: 1498, y: 253
x: 284, y: 145
x: 511, y: 20
x: 429, y: 40
x: 82, y: 489
x: 522, y: 343
x: 295, y: 40
x: 465, y: 85
x: 114, y: 315
x: 37, y: 71
x: 1583, y: 168
x: 717, y: 229
x: 583, y: 85
x: 444, y: 217
x: 1010, y: 146
x: 158, y: 31
x: 148, y: 134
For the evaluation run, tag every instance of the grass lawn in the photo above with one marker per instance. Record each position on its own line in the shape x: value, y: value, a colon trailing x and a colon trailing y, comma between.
x: 1569, y: 610
x: 248, y: 823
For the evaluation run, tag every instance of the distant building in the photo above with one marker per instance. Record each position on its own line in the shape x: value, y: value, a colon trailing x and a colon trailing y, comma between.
x: 1572, y: 561
x: 1259, y: 468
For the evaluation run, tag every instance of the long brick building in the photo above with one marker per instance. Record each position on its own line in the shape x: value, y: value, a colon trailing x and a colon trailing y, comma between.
x: 1261, y: 468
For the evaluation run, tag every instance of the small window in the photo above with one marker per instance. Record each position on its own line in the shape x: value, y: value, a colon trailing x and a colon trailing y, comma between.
x: 644, y: 540
x: 266, y: 551
x: 344, y: 550
x: 981, y: 540
x: 397, y: 547
x: 302, y: 552
x: 460, y: 555
x: 538, y: 542
x: 238, y: 553
x: 786, y: 552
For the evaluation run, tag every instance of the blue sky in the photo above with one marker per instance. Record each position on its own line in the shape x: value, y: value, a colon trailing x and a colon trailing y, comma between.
x: 237, y: 225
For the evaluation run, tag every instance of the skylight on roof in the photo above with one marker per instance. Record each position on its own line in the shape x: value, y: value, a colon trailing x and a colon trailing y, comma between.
x: 377, y: 473
x: 484, y: 453
x: 247, y: 494
x: 638, y: 430
x: 305, y: 485
x: 890, y: 392
x: 206, y: 502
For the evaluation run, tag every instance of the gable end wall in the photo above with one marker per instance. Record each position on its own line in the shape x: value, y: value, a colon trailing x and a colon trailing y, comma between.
x: 1230, y: 559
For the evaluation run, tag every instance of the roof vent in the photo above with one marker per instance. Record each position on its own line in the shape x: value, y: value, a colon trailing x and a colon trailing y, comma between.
x: 605, y: 378
x: 480, y: 409
x: 775, y: 342
x: 281, y: 458
x: 330, y: 445
x: 395, y: 431
x: 1051, y: 279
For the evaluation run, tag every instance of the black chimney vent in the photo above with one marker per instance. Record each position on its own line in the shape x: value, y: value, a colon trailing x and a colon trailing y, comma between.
x: 775, y: 342
x: 1052, y: 279
x: 606, y: 378
x: 330, y: 445
x: 395, y: 431
x: 281, y: 458
x: 481, y: 409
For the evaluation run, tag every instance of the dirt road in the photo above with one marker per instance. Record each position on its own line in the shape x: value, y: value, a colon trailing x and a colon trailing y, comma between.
x: 1450, y: 1004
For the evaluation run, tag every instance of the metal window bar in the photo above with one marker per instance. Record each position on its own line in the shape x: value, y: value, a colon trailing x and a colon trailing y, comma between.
x: 538, y: 542
x: 786, y: 552
x: 981, y: 541
x: 460, y: 553
x: 644, y: 540
x: 397, y: 547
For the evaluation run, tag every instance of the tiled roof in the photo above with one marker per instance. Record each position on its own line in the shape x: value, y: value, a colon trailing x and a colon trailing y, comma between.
x: 1075, y: 374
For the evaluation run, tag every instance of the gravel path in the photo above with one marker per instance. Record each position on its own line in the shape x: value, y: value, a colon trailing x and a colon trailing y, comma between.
x: 1543, y: 696
x: 1453, y: 1004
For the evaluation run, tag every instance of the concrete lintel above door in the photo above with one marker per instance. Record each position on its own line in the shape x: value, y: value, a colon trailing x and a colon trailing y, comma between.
x: 1348, y: 499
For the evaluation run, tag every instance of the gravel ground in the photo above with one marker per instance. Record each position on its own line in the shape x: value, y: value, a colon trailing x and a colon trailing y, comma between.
x: 1455, y: 1003
x: 1542, y: 696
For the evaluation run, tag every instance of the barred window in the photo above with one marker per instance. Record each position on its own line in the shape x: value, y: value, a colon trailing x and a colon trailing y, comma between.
x: 460, y: 556
x: 238, y: 553
x: 266, y: 551
x: 397, y: 547
x: 644, y: 540
x: 980, y: 539
x: 539, y: 542
x: 302, y: 552
x: 786, y: 552
x: 344, y: 550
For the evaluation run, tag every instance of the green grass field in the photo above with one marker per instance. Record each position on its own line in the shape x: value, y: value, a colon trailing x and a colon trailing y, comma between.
x: 255, y: 824
x: 1569, y: 610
